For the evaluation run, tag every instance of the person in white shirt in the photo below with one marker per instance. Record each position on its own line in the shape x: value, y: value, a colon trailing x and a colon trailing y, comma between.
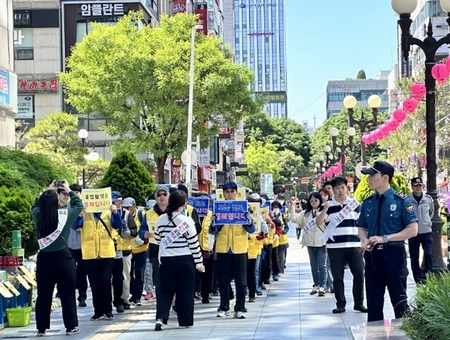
x: 179, y: 256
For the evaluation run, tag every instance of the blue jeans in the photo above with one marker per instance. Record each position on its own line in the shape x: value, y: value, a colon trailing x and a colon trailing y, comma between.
x: 138, y: 262
x: 318, y: 262
x: 258, y: 271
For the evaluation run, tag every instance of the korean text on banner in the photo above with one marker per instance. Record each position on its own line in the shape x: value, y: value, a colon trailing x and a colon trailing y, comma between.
x: 254, y: 206
x: 201, y: 205
x: 96, y: 200
x: 230, y: 212
x: 264, y: 212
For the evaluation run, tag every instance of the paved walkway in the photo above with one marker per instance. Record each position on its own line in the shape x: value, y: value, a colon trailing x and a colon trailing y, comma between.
x: 285, y: 311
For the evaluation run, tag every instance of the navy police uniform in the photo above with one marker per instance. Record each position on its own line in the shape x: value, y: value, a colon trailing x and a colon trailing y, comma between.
x: 386, y: 265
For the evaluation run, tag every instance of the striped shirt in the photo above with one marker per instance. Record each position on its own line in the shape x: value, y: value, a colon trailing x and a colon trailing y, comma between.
x: 187, y: 244
x: 346, y: 233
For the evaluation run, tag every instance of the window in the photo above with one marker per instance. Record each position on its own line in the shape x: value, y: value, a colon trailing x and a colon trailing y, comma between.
x: 23, y: 54
x: 23, y: 44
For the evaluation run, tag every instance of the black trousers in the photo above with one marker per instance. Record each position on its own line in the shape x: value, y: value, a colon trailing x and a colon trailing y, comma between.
x: 267, y: 263
x: 251, y: 277
x: 275, y: 262
x: 338, y: 258
x: 386, y: 268
x: 138, y: 262
x: 99, y: 273
x: 426, y: 240
x: 117, y: 282
x: 82, y: 284
x: 207, y: 277
x: 232, y: 265
x: 177, y: 276
x: 156, y: 274
x: 56, y: 267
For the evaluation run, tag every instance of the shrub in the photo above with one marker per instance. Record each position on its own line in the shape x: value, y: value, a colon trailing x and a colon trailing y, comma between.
x: 129, y: 176
x: 430, y: 309
x: 15, y: 214
x: 363, y: 190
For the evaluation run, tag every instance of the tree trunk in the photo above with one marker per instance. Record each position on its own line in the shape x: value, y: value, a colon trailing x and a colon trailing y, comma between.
x: 160, y: 162
x: 419, y: 168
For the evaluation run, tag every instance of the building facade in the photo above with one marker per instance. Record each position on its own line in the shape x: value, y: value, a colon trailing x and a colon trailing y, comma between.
x: 8, y: 78
x: 337, y: 90
x: 260, y: 42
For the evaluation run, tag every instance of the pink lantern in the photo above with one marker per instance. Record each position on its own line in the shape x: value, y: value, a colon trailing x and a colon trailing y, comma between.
x: 364, y: 139
x: 399, y: 115
x: 379, y: 134
x: 447, y: 64
x: 393, y: 124
x: 440, y: 73
x: 418, y: 90
x: 410, y: 105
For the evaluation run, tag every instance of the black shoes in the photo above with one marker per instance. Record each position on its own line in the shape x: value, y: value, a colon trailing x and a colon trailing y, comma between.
x: 82, y: 303
x: 338, y: 310
x: 360, y: 308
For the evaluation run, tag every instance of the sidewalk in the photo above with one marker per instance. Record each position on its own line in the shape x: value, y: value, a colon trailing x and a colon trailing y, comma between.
x: 285, y: 311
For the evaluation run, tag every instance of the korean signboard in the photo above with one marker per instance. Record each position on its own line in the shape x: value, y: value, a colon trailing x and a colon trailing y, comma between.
x: 96, y: 200
x: 42, y: 85
x: 101, y: 9
x: 230, y: 212
x: 5, y: 97
x: 201, y: 205
x: 179, y: 7
x: 272, y: 96
x: 25, y: 107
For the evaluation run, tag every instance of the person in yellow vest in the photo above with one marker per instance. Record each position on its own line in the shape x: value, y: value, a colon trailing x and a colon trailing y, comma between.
x: 207, y: 252
x: 147, y: 231
x: 99, y: 250
x: 284, y: 240
x: 277, y: 219
x: 231, y: 249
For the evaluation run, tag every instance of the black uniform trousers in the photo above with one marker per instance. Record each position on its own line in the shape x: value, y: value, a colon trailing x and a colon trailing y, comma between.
x: 82, y: 284
x: 426, y: 240
x: 266, y: 264
x: 117, y: 282
x: 99, y: 273
x: 338, y: 259
x: 251, y: 277
x: 207, y: 276
x: 177, y: 276
x: 386, y: 268
x: 232, y: 265
x: 56, y: 267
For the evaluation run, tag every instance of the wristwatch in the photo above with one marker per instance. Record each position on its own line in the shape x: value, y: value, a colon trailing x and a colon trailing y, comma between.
x: 385, y: 238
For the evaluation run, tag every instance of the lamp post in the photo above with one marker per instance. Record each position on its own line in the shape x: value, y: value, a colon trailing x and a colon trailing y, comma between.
x: 190, y: 110
x: 329, y: 158
x: 429, y: 46
x: 374, y: 102
x: 92, y: 156
x: 340, y: 148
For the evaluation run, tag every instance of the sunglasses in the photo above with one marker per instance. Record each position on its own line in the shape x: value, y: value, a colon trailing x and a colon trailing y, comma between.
x: 161, y: 194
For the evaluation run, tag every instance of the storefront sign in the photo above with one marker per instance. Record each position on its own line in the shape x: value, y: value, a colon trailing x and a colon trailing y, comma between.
x: 179, y: 7
x: 25, y: 108
x: 44, y: 85
x: 100, y: 10
x: 272, y: 96
x: 5, y: 97
x: 203, y: 157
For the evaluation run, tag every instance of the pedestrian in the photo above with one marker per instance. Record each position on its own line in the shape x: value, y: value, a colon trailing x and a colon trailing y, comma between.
x: 312, y: 239
x: 55, y: 265
x: 231, y: 249
x: 74, y: 242
x: 179, y: 256
x: 324, y: 193
x: 343, y: 243
x: 424, y: 209
x: 277, y: 218
x: 387, y: 219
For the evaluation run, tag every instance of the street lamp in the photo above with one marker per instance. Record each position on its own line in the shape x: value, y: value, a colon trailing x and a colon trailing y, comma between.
x: 92, y: 156
x: 340, y: 148
x: 374, y: 102
x: 429, y: 46
x: 190, y: 111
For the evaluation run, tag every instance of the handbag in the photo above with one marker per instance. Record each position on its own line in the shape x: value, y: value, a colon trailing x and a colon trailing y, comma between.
x: 109, y: 233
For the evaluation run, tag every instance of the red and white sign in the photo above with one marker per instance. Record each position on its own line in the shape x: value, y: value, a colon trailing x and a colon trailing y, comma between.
x: 44, y: 85
x: 179, y: 7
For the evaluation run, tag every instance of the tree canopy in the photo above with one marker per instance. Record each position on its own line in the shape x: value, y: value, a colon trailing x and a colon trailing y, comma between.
x: 138, y: 77
x: 361, y: 75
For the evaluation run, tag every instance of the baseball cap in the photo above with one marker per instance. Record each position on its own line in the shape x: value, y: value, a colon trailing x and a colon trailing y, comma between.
x: 416, y: 181
x: 379, y: 167
x: 128, y: 202
x: 230, y: 185
x: 115, y: 195
x: 162, y: 189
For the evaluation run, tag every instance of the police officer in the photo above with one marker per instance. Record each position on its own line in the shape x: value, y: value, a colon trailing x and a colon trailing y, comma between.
x: 387, y: 219
x: 424, y: 208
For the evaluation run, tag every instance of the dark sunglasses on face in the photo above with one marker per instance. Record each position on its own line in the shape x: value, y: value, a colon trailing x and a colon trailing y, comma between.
x: 159, y: 194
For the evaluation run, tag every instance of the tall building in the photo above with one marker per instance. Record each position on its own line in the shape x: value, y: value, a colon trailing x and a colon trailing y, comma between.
x: 8, y: 79
x: 337, y: 90
x: 426, y: 10
x: 260, y: 42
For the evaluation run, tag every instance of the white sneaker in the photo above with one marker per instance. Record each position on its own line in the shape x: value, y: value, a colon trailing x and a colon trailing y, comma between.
x: 239, y: 315
x: 158, y: 325
x: 321, y: 291
x: 75, y: 330
x: 315, y: 290
x: 222, y: 313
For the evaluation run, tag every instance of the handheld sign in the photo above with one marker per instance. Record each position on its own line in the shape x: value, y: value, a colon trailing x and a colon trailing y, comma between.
x: 230, y: 212
x: 96, y: 200
x: 219, y: 193
x: 254, y: 206
x: 201, y: 205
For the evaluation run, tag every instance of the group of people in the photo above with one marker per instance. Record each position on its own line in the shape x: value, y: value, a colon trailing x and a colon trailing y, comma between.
x: 166, y: 251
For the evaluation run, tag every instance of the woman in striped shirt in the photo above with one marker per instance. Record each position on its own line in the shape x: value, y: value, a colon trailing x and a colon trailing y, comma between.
x: 179, y: 256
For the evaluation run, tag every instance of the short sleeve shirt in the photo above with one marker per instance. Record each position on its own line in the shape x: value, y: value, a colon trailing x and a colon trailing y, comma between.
x: 396, y: 213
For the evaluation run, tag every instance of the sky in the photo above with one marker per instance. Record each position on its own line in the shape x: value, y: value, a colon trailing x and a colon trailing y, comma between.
x: 333, y: 40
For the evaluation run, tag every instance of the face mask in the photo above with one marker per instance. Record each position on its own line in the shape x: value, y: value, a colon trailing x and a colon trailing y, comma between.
x: 276, y: 211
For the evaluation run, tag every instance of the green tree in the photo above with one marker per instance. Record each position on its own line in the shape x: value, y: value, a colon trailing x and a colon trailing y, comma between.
x: 361, y: 75
x: 260, y: 158
x: 15, y: 209
x: 56, y: 137
x: 129, y: 176
x: 398, y: 183
x: 138, y: 77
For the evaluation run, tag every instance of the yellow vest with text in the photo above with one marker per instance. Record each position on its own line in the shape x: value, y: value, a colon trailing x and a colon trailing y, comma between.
x: 232, y: 237
x: 95, y: 240
x: 122, y: 244
x: 143, y: 247
x: 151, y: 217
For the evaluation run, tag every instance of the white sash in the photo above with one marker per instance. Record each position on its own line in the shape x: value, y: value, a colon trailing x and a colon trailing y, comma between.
x: 172, y: 237
x: 49, y: 239
x: 340, y: 216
